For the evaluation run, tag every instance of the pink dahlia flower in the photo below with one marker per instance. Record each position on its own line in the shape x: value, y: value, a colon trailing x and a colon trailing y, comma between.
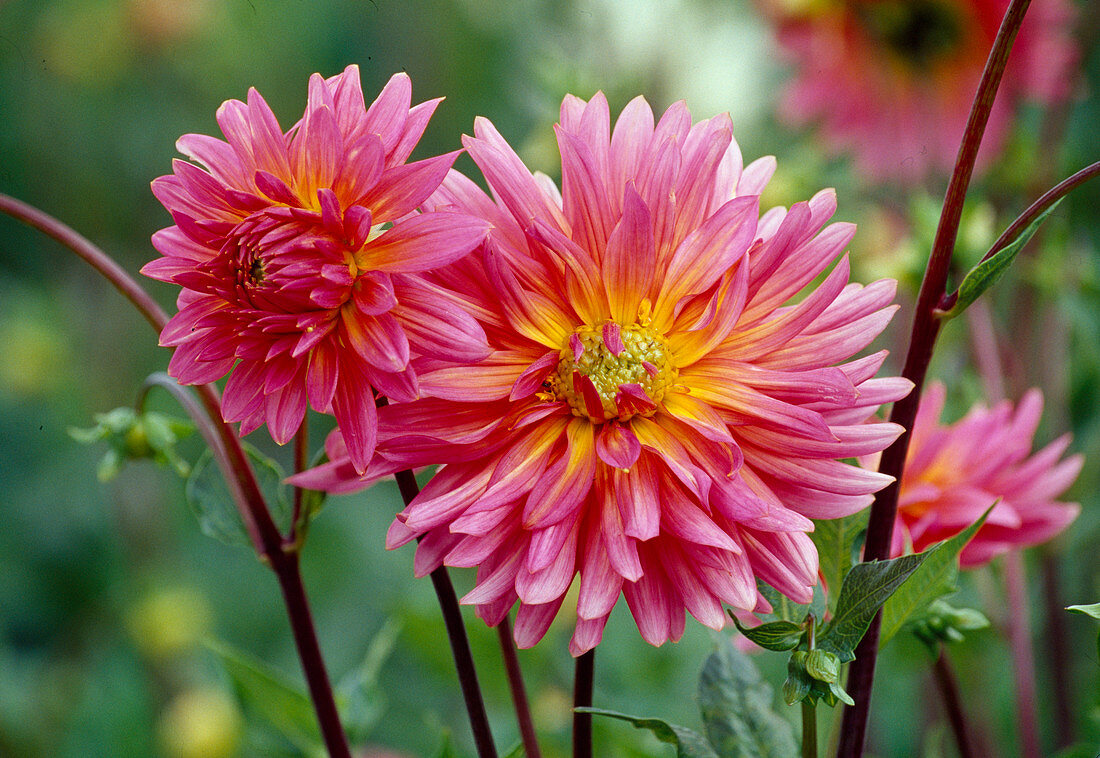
x: 892, y: 80
x: 299, y: 254
x: 953, y: 473
x: 657, y: 415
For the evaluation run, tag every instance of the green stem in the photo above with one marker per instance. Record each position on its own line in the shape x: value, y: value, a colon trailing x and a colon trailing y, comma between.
x: 925, y: 329
x: 809, y: 729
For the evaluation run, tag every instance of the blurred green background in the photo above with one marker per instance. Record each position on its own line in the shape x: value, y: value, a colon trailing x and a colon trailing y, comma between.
x: 107, y: 589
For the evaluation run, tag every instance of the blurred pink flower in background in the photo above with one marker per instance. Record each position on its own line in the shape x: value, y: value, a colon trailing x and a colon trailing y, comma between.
x: 298, y: 255
x: 655, y: 416
x: 954, y: 472
x: 891, y: 81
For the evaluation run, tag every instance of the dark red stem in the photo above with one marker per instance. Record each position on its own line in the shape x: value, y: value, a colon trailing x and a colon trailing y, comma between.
x: 925, y: 329
x: 456, y: 634
x: 952, y: 701
x: 583, y: 682
x: 519, y: 692
x: 238, y: 473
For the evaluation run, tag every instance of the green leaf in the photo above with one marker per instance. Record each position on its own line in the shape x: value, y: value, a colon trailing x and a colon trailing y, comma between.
x: 208, y: 495
x: 985, y: 274
x: 937, y: 577
x: 517, y: 751
x: 865, y: 589
x: 268, y: 693
x: 774, y: 635
x: 798, y: 684
x: 783, y: 608
x: 358, y: 696
x: 1086, y: 610
x: 688, y: 744
x: 836, y: 541
x: 736, y: 706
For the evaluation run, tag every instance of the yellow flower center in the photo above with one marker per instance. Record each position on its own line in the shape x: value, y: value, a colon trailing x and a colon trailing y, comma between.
x: 612, y: 371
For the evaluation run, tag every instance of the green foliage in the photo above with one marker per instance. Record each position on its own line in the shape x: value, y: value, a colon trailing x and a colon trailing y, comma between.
x: 942, y: 622
x: 1088, y: 610
x: 774, y: 635
x: 134, y: 436
x: 358, y: 695
x: 210, y: 499
x: 688, y: 744
x: 937, y: 576
x: 985, y: 274
x: 866, y: 587
x: 838, y: 545
x: 813, y: 676
x: 736, y: 706
x: 267, y: 693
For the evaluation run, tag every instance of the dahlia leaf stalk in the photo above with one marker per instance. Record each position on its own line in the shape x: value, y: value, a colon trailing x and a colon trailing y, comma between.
x: 988, y: 271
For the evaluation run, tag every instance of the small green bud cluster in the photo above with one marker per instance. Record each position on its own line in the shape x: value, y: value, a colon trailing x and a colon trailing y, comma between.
x: 943, y: 622
x: 814, y: 674
x: 134, y: 436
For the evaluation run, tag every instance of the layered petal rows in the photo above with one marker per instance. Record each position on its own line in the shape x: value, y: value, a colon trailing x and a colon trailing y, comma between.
x: 661, y: 415
x: 299, y: 254
x: 955, y: 472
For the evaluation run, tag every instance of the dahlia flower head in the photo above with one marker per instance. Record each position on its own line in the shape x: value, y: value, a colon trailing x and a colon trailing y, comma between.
x: 299, y: 254
x: 891, y: 81
x: 954, y: 472
x: 656, y: 416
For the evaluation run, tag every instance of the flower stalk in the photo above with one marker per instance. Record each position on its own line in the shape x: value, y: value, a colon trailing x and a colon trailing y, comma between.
x: 456, y: 634
x: 239, y: 475
x: 948, y: 686
x: 519, y: 692
x: 583, y: 683
x: 922, y: 341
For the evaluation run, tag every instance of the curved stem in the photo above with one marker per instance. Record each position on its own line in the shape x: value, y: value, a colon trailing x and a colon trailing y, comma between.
x: 519, y: 692
x: 239, y: 475
x: 925, y: 329
x: 583, y: 681
x: 309, y: 652
x: 952, y: 701
x: 93, y: 255
x: 1036, y: 209
x: 456, y: 634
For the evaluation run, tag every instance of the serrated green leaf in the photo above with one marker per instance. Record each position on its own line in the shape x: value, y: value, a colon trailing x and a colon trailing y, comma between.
x: 865, y: 589
x: 936, y: 578
x: 985, y: 274
x: 271, y: 696
x: 736, y: 705
x: 836, y: 544
x: 774, y: 635
x: 688, y: 744
x: 208, y: 495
